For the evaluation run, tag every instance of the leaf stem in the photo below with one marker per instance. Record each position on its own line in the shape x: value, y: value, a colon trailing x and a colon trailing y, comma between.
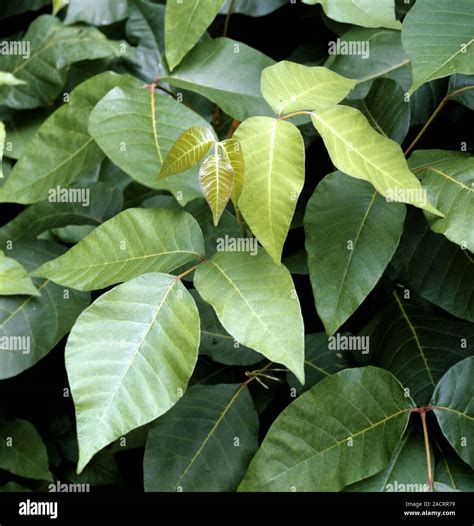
x: 294, y: 114
x: 433, y: 116
x: 227, y: 18
x: 427, y: 447
x: 186, y: 272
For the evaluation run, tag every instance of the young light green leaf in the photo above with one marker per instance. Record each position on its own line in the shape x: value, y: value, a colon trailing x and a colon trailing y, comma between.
x: 359, y: 151
x: 439, y: 39
x: 96, y: 13
x: 7, y: 79
x: 274, y: 175
x: 255, y: 301
x: 342, y: 430
x: 351, y: 236
x: 44, y: 65
x: 453, y: 404
x: 57, y: 6
x: 23, y: 319
x: 192, y: 447
x: 366, y: 13
x: 216, y: 178
x: 188, y: 150
x: 449, y: 180
x: 62, y: 149
x: 14, y: 278
x: 235, y: 158
x: 22, y: 451
x: 134, y: 242
x: 289, y: 87
x: 128, y: 358
x: 137, y: 127
x: 227, y: 73
x: 185, y: 23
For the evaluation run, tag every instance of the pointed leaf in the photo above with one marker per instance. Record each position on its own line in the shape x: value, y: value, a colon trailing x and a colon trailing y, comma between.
x: 453, y: 405
x: 133, y: 242
x: 358, y: 150
x: 192, y: 447
x: 7, y: 79
x: 289, y: 87
x: 274, y: 175
x: 185, y: 22
x: 188, y: 150
x: 216, y: 178
x: 235, y: 158
x: 439, y: 39
x: 342, y: 430
x: 128, y: 358
x: 255, y: 301
x: 351, y: 236
x: 14, y: 278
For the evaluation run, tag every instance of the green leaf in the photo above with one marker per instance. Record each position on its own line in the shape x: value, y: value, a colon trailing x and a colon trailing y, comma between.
x: 21, y: 127
x: 217, y: 343
x: 464, y: 85
x: 62, y: 149
x: 358, y: 150
x: 7, y: 79
x: 252, y: 7
x: 417, y: 346
x: 14, y: 278
x: 364, y: 13
x: 449, y: 180
x: 57, y: 6
x: 453, y: 404
x: 53, y: 48
x: 129, y: 357
x: 274, y: 175
x: 96, y: 13
x: 342, y: 430
x: 289, y: 87
x: 406, y: 471
x: 22, y: 451
x: 193, y: 447
x: 185, y: 23
x: 439, y: 39
x: 386, y: 110
x: 13, y: 7
x: 216, y: 178
x: 235, y: 157
x: 137, y: 127
x: 435, y: 268
x: 2, y: 146
x: 188, y: 150
x: 23, y: 319
x: 227, y: 73
x: 425, y: 100
x: 256, y: 303
x: 134, y: 242
x: 351, y: 236
x: 455, y: 473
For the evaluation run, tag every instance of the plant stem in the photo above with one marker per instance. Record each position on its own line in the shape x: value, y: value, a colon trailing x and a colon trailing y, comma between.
x: 294, y: 114
x: 186, y: 272
x: 433, y: 116
x: 427, y: 448
x: 227, y: 18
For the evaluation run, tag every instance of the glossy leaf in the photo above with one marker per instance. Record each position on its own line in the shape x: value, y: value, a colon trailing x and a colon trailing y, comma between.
x: 290, y: 87
x: 351, y: 236
x: 359, y: 151
x: 185, y: 22
x: 255, y: 301
x: 321, y: 446
x: 193, y: 447
x: 274, y: 175
x: 235, y: 158
x: 453, y: 406
x: 116, y: 251
x: 128, y: 358
x: 14, y: 278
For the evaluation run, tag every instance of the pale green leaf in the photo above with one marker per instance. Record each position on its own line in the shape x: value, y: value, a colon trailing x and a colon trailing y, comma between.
x: 274, y: 175
x: 448, y: 177
x: 358, y: 150
x: 256, y: 303
x: 129, y: 357
x: 226, y: 72
x: 235, y: 158
x: 14, y: 278
x: 216, y: 178
x: 192, y: 447
x: 7, y: 79
x: 289, y: 87
x: 188, y: 150
x: 342, y: 430
x: 22, y: 451
x: 185, y: 22
x: 453, y: 405
x: 351, y: 236
x: 58, y: 5
x: 252, y: 7
x: 134, y: 242
x: 438, y: 36
x: 96, y: 12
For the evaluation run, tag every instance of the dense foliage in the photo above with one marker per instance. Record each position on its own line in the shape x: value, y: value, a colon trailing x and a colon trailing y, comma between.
x: 237, y: 245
